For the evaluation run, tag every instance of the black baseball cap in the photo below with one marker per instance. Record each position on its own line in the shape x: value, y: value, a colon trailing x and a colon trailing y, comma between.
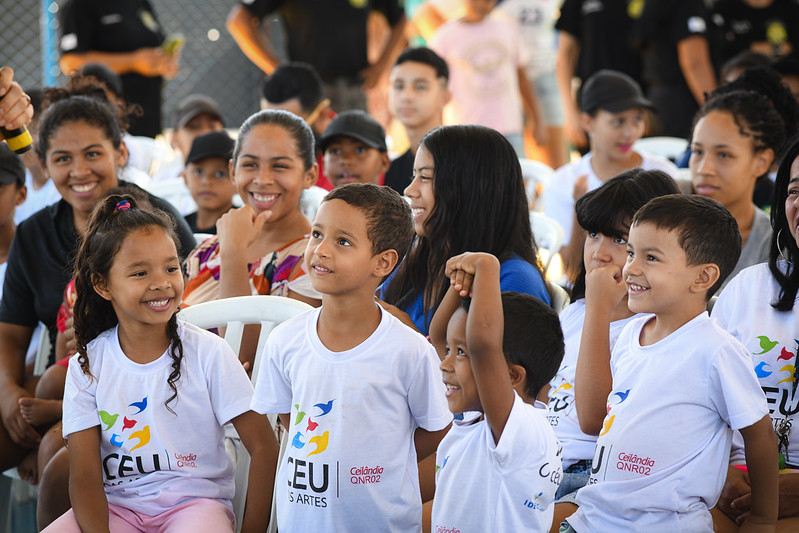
x: 611, y: 91
x: 212, y: 144
x: 358, y: 125
x: 193, y: 106
x: 11, y: 168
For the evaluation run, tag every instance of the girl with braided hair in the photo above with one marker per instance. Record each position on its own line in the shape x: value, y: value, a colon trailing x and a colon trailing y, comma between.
x: 147, y: 397
x: 736, y: 137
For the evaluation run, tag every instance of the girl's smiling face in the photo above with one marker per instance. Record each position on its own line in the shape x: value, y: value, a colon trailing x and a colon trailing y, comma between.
x: 83, y: 163
x: 420, y: 191
x: 612, y: 134
x: 269, y: 173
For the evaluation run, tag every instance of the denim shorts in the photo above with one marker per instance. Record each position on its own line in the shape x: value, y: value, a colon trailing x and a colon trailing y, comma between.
x: 574, y: 477
x: 546, y: 90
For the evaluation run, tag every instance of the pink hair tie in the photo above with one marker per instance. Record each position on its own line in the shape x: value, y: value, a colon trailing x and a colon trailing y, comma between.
x: 123, y: 205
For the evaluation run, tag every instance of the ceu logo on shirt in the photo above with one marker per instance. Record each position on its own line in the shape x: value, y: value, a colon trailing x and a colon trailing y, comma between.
x: 309, y: 477
x: 129, y: 434
x: 777, y: 366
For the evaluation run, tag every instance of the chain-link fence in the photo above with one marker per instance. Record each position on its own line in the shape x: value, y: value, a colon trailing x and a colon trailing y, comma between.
x: 211, y: 62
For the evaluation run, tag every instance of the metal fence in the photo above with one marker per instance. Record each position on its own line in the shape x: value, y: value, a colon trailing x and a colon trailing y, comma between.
x: 211, y: 62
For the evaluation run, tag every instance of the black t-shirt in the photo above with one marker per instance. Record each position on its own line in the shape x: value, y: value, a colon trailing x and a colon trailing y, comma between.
x: 328, y: 34
x: 191, y: 220
x: 603, y: 28
x: 118, y: 26
x: 743, y: 25
x: 400, y: 174
x: 663, y: 24
x: 40, y: 262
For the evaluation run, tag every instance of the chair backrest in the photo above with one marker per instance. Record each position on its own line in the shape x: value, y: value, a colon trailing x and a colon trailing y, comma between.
x: 668, y: 147
x: 537, y: 176
x: 548, y: 236
x: 235, y: 313
x: 174, y: 191
x: 558, y: 297
x: 310, y: 200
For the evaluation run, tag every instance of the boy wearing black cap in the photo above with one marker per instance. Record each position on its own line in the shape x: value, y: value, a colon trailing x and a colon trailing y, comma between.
x: 207, y: 176
x: 12, y: 194
x: 613, y: 114
x: 355, y: 149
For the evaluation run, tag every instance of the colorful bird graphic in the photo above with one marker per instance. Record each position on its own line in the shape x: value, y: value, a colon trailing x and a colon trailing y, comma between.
x: 320, y: 441
x: 607, y: 424
x: 141, y: 406
x: 787, y: 368
x: 300, y: 414
x: 785, y: 354
x: 766, y: 344
x: 761, y: 371
x: 116, y: 440
x: 324, y: 407
x: 311, y: 425
x: 297, y: 441
x: 565, y: 386
x: 622, y: 395
x: 127, y: 423
x: 143, y: 436
x: 108, y: 419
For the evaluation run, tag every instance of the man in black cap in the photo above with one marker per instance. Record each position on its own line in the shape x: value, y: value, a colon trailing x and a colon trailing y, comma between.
x: 355, y: 149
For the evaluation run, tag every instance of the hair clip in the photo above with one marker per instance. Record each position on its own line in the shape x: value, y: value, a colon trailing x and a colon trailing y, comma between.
x: 123, y: 205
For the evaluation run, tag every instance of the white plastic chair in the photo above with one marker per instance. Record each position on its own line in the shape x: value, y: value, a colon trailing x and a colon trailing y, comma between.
x: 558, y: 297
x: 234, y: 314
x: 310, y: 200
x: 548, y: 236
x: 668, y: 147
x: 537, y: 176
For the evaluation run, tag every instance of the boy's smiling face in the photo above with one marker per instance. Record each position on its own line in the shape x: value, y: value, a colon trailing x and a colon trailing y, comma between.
x: 348, y: 160
x: 658, y: 276
x: 339, y: 256
x: 456, y: 368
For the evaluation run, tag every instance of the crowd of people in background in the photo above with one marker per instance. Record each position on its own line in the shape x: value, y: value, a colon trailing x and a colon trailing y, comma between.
x: 649, y: 387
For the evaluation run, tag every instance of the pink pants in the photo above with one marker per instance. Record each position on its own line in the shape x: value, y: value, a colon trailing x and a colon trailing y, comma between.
x: 191, y: 517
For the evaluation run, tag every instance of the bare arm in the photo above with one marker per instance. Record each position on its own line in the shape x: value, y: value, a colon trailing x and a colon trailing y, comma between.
x: 145, y: 61
x: 244, y: 29
x: 694, y: 58
x: 565, y: 69
x: 426, y: 442
x: 258, y: 437
x: 427, y: 20
x: 396, y: 40
x: 761, y: 462
x: 86, y: 481
x: 593, y: 379
x: 14, y: 342
x: 532, y: 107
x: 478, y: 274
x: 438, y: 325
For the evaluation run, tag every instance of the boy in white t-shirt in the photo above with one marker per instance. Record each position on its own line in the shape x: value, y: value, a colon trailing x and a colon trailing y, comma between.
x: 499, y: 467
x: 665, y: 402
x: 365, y: 399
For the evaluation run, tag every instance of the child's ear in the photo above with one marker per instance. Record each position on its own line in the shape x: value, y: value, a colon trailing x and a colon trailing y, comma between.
x: 763, y: 160
x: 101, y: 287
x: 707, y: 276
x: 385, y: 162
x: 311, y: 176
x: 586, y: 122
x: 518, y: 376
x: 22, y: 195
x: 385, y: 262
x: 123, y: 154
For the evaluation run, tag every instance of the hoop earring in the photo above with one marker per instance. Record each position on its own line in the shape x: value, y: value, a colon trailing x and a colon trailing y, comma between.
x: 780, y: 250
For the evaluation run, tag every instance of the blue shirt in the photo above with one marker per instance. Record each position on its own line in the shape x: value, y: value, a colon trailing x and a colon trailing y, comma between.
x: 515, y: 274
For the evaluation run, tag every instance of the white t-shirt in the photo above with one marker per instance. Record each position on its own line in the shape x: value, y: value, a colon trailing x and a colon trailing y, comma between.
x: 577, y: 445
x: 559, y: 194
x: 483, y: 59
x: 536, y: 19
x: 350, y: 464
x: 508, y: 486
x: 744, y: 309
x: 36, y: 199
x: 154, y: 460
x: 661, y: 457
